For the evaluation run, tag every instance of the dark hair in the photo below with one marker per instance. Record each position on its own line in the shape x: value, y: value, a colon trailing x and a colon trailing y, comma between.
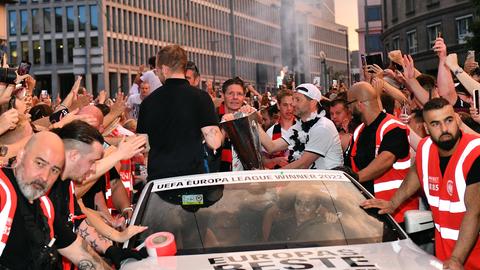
x: 476, y: 72
x: 79, y: 131
x: 104, y: 108
x: 172, y: 56
x: 388, y: 103
x: 337, y: 101
x: 40, y: 111
x: 193, y: 67
x: 271, y: 111
x: 435, y: 104
x: 426, y: 81
x: 233, y: 81
x: 151, y: 61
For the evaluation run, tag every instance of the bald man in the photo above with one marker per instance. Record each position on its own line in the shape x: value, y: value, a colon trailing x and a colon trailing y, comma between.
x: 26, y: 231
x: 379, y: 151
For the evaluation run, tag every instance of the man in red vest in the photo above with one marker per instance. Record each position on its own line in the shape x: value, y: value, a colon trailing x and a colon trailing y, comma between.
x: 379, y: 150
x: 448, y: 170
x: 26, y: 215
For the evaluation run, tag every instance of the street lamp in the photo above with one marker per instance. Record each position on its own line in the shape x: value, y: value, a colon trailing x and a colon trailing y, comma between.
x: 323, y: 70
x: 347, y: 52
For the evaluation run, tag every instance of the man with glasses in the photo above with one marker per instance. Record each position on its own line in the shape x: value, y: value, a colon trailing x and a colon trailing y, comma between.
x: 379, y: 150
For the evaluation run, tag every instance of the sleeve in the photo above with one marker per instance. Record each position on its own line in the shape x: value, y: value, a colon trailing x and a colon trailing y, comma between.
x: 64, y: 234
x: 207, y: 115
x: 320, y: 140
x: 141, y: 125
x: 396, y: 142
x: 473, y: 175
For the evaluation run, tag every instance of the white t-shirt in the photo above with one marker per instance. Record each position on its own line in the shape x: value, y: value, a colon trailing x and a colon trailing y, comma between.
x: 152, y: 79
x: 321, y: 139
x: 133, y: 89
x: 133, y: 103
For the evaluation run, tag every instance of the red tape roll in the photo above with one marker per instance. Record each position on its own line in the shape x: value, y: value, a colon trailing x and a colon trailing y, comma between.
x: 161, y: 244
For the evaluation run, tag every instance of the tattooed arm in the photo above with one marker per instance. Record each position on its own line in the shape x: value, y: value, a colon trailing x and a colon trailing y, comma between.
x: 83, y: 256
x: 213, y: 136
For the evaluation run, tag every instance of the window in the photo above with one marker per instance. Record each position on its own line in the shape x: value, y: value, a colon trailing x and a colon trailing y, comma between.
x: 24, y: 46
x: 374, y: 13
x: 409, y: 6
x: 36, y: 21
x: 94, y: 42
x: 24, y: 21
x: 13, y: 53
x: 58, y: 19
x: 464, y: 28
x: 12, y: 22
x: 396, y: 43
x: 110, y: 51
x: 108, y: 21
x: 81, y: 42
x: 70, y: 19
x: 94, y: 17
x: 47, y: 23
x: 82, y: 18
x: 412, y: 42
x: 59, y: 50
x: 114, y: 19
x: 70, y: 45
x: 36, y: 52
x: 47, y: 44
x: 432, y: 31
x: 374, y: 43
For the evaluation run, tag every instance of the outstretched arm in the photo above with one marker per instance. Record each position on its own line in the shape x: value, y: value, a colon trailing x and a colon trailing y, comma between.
x: 83, y: 256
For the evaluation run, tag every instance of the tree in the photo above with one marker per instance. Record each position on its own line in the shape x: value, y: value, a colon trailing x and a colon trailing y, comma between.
x: 474, y: 41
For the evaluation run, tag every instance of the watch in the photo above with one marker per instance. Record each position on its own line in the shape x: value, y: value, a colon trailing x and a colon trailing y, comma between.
x: 458, y: 71
x: 3, y: 150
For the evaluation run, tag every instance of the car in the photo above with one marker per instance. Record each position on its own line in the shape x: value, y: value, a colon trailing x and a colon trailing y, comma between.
x: 271, y: 219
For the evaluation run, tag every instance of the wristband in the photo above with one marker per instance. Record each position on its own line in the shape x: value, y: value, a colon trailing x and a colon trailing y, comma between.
x: 127, y: 209
x: 458, y: 71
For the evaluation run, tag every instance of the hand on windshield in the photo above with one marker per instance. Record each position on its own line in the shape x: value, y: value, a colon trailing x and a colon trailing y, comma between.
x: 129, y: 232
x: 385, y: 207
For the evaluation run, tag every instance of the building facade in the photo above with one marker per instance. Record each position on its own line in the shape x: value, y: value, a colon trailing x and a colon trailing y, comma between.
x: 313, y: 45
x: 107, y: 40
x: 369, y: 28
x: 412, y: 27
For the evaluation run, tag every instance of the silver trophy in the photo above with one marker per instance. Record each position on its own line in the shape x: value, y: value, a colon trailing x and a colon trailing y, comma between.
x: 243, y: 133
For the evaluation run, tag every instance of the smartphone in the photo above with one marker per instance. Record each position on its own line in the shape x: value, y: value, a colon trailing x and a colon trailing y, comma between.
x: 471, y: 56
x: 24, y: 68
x: 398, y: 67
x: 364, y: 61
x: 439, y: 34
x: 11, y: 102
x: 476, y: 98
x: 44, y: 94
x: 374, y: 59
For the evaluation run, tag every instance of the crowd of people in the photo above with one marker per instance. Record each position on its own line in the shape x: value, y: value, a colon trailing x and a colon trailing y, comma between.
x: 71, y: 169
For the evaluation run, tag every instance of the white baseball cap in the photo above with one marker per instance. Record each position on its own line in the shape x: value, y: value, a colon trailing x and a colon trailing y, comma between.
x: 309, y: 90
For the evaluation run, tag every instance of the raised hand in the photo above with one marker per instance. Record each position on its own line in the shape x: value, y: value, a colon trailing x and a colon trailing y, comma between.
x: 440, y: 48
x: 408, y: 67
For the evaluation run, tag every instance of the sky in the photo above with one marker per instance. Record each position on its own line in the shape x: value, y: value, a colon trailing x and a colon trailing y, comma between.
x: 346, y: 13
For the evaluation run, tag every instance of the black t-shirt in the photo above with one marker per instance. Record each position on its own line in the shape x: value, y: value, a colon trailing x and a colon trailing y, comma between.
x: 473, y: 175
x: 395, y: 142
x: 461, y: 106
x: 25, y: 240
x: 100, y: 186
x: 63, y: 226
x: 173, y: 116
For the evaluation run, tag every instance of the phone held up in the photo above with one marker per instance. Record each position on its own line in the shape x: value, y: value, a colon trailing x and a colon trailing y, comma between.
x: 476, y: 98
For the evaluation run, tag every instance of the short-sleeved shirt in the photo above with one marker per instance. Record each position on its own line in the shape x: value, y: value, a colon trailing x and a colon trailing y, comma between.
x: 395, y: 142
x: 173, y: 116
x: 323, y: 140
x: 133, y: 103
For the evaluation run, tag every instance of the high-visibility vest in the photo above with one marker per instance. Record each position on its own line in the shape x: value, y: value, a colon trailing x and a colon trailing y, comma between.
x: 8, y: 206
x: 385, y: 186
x: 446, y: 194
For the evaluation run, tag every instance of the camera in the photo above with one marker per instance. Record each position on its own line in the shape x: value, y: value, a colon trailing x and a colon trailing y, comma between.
x: 8, y: 75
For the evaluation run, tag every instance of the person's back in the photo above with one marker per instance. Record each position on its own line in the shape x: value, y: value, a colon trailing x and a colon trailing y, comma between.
x: 175, y: 117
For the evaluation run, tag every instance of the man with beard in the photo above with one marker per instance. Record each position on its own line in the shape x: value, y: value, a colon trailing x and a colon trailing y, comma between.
x: 379, y: 151
x: 341, y: 117
x: 25, y: 227
x: 448, y: 170
x: 313, y: 140
x: 175, y: 119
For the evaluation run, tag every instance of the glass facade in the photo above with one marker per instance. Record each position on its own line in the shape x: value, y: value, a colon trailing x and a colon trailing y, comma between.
x: 59, y: 50
x: 94, y: 17
x: 82, y: 18
x: 12, y: 22
x: 70, y: 19
x: 36, y: 21
x: 24, y: 21
x: 13, y: 53
x: 47, y: 44
x: 36, y: 52
x: 47, y: 23
x: 58, y: 20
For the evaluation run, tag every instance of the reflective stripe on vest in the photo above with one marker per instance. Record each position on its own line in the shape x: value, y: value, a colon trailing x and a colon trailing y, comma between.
x: 48, y: 211
x: 8, y: 204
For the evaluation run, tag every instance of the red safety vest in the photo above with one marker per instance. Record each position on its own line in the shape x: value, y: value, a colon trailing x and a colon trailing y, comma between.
x: 386, y: 185
x: 445, y: 194
x: 8, y: 206
x: 125, y: 172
